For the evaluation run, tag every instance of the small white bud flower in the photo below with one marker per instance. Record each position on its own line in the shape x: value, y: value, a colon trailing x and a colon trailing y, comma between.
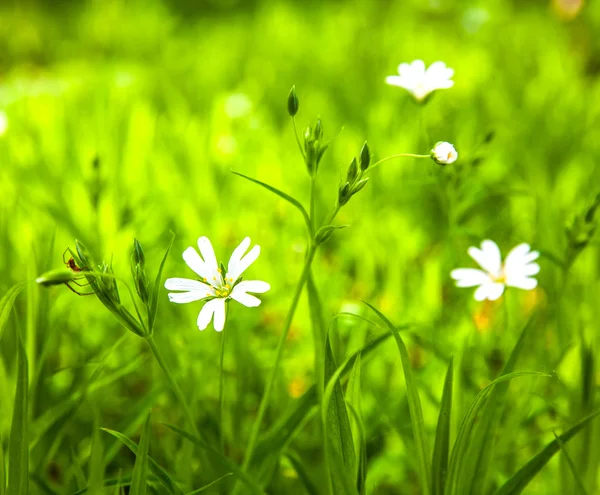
x: 443, y: 153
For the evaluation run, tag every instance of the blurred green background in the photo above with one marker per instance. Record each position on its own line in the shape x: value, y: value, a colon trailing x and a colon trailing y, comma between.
x: 124, y: 119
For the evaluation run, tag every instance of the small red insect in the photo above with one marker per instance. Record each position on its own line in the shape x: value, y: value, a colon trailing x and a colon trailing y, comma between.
x: 71, y: 262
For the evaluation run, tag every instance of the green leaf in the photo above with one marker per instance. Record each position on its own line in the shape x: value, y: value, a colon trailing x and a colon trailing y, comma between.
x: 275, y: 438
x: 6, y: 304
x: 140, y: 469
x: 206, y: 487
x: 317, y: 322
x: 578, y: 482
x: 441, y: 449
x: 18, y: 444
x: 461, y: 444
x: 96, y: 467
x: 519, y: 481
x: 159, y: 472
x: 2, y: 469
x: 153, y: 305
x: 235, y: 469
x: 302, y: 471
x: 339, y: 444
x: 473, y: 467
x: 353, y: 402
x: 361, y: 475
x: 282, y: 195
x: 414, y: 405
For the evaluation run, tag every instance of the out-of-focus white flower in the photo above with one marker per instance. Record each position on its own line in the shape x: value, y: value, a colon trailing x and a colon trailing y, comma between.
x: 215, y: 287
x: 419, y: 81
x: 443, y: 153
x: 3, y: 123
x: 517, y: 270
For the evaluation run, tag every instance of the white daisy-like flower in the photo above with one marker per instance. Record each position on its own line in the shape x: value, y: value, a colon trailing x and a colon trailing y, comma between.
x: 443, y: 153
x: 3, y: 123
x: 215, y: 286
x: 517, y: 270
x: 420, y: 81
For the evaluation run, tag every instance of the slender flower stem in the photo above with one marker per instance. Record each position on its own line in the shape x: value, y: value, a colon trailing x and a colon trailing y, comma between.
x: 399, y: 155
x: 313, y: 220
x: 176, y: 390
x: 297, y: 138
x: 279, y: 353
x: 221, y: 393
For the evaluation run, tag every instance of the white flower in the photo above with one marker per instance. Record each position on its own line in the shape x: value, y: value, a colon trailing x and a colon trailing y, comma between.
x: 517, y: 270
x: 443, y: 153
x: 419, y: 81
x: 215, y: 287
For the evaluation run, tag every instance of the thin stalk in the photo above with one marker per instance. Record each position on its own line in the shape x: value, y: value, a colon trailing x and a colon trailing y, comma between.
x: 275, y: 368
x: 313, y: 220
x: 399, y: 155
x: 297, y: 138
x: 221, y: 394
x: 176, y: 390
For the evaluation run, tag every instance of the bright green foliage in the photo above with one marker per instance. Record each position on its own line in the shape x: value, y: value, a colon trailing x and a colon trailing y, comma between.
x: 121, y: 123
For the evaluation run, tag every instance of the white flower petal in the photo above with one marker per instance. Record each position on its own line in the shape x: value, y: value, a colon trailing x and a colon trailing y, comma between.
x: 216, y: 307
x: 208, y: 254
x: 469, y: 277
x: 525, y: 283
x: 399, y: 81
x: 491, y: 291
x: 488, y: 257
x: 245, y: 299
x: 418, y: 67
x: 238, y: 264
x: 185, y: 284
x: 193, y: 260
x: 257, y: 286
x: 186, y: 297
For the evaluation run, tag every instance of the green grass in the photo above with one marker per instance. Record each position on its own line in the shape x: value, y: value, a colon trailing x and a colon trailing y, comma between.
x: 126, y: 121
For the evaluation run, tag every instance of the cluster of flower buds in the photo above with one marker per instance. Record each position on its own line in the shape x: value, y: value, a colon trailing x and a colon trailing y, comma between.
x: 138, y: 271
x: 354, y: 177
x: 313, y: 148
x: 103, y: 282
x: 581, y: 228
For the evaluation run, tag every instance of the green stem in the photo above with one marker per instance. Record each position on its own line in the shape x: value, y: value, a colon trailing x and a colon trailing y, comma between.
x: 297, y: 138
x: 176, y: 390
x: 313, y: 220
x: 221, y: 394
x: 399, y: 155
x: 279, y: 353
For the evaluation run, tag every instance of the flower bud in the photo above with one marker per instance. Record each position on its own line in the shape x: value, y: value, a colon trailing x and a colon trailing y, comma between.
x: 365, y: 157
x: 443, y: 153
x: 326, y: 232
x: 318, y: 132
x: 359, y: 185
x: 344, y: 194
x: 138, y: 256
x: 141, y: 283
x: 87, y: 262
x: 352, y: 171
x: 56, y: 277
x: 292, y: 103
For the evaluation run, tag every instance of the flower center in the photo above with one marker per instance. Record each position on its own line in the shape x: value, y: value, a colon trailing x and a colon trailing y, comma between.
x: 500, y: 279
x: 221, y: 285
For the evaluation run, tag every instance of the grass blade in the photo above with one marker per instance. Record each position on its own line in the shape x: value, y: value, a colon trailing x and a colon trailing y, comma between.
x: 153, y: 305
x: 159, y: 472
x: 140, y: 469
x: 206, y: 487
x: 6, y: 304
x: 441, y: 448
x: 282, y: 195
x: 578, y: 482
x: 519, y: 481
x: 235, y: 469
x: 96, y: 467
x: 339, y: 444
x: 414, y: 405
x: 302, y: 472
x: 18, y: 444
x: 464, y: 433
